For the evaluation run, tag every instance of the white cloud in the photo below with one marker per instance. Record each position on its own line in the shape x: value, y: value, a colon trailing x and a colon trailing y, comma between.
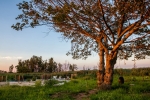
x: 18, y: 57
x: 10, y: 58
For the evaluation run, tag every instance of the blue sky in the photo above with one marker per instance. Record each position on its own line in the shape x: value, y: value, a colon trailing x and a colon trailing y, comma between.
x: 24, y: 44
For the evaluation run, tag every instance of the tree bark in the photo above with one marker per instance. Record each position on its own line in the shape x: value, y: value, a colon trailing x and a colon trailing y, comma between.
x: 108, y: 77
x: 105, y: 74
x: 101, y: 66
x: 100, y: 73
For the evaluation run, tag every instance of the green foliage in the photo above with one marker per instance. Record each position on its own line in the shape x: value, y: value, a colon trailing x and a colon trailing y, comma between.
x: 73, y: 67
x: 11, y: 68
x: 50, y: 83
x: 28, y: 79
x: 130, y: 90
x: 36, y: 64
x: 145, y: 71
x: 140, y: 71
x: 75, y: 81
x: 118, y: 94
x: 51, y: 66
x: 27, y: 76
x: 10, y: 77
x: 87, y: 77
x: 38, y: 83
x: 74, y: 77
x: 81, y: 21
x: 38, y: 76
x: 34, y: 78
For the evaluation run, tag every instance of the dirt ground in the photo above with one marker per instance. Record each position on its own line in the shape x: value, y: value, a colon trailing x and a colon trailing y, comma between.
x: 79, y: 96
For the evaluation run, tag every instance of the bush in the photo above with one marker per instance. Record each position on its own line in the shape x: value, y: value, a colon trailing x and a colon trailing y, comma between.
x: 38, y: 77
x: 27, y: 76
x: 11, y: 77
x: 74, y: 77
x: 50, y: 83
x: 34, y: 79
x: 38, y: 83
x: 28, y: 80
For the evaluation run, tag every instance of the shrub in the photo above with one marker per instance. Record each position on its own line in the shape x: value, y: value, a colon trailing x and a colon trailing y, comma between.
x: 38, y: 77
x: 11, y: 77
x: 38, y: 83
x: 34, y: 79
x: 26, y: 76
x: 50, y: 83
x: 28, y: 80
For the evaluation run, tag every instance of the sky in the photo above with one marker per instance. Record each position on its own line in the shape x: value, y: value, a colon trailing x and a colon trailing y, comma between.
x: 40, y: 41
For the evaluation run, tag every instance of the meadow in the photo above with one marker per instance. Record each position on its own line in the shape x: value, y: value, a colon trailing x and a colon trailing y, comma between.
x: 82, y: 87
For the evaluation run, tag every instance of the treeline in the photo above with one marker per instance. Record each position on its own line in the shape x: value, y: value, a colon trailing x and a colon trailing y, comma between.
x: 37, y: 64
x: 141, y: 71
x: 145, y: 71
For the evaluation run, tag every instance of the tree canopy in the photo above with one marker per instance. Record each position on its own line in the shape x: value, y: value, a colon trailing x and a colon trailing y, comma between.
x: 86, y: 21
x: 109, y: 27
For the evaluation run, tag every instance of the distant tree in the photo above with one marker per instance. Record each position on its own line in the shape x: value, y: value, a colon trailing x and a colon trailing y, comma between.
x: 52, y: 65
x: 73, y: 67
x: 59, y: 65
x: 36, y: 64
x: 66, y: 66
x: 109, y: 27
x: 22, y: 67
x: 19, y: 66
x: 11, y: 68
x: 45, y: 66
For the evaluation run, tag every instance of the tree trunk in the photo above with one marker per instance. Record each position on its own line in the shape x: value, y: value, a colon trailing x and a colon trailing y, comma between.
x: 110, y: 62
x: 100, y: 73
x: 105, y: 75
x: 108, y: 77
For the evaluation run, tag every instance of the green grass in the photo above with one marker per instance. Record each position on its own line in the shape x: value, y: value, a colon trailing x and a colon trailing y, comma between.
x: 47, y: 92
x: 139, y: 91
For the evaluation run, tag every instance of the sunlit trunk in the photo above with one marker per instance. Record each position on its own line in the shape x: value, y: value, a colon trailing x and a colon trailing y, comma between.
x: 100, y: 73
x: 108, y: 76
x: 105, y: 73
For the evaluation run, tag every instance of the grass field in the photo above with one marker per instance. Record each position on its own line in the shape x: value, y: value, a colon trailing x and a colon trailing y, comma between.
x: 80, y: 88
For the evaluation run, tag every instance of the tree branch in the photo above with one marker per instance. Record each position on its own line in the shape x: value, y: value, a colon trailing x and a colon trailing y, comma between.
x: 121, y: 24
x: 135, y: 28
x: 101, y: 9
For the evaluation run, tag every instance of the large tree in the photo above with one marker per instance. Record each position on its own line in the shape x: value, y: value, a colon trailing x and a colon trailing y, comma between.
x: 108, y: 27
